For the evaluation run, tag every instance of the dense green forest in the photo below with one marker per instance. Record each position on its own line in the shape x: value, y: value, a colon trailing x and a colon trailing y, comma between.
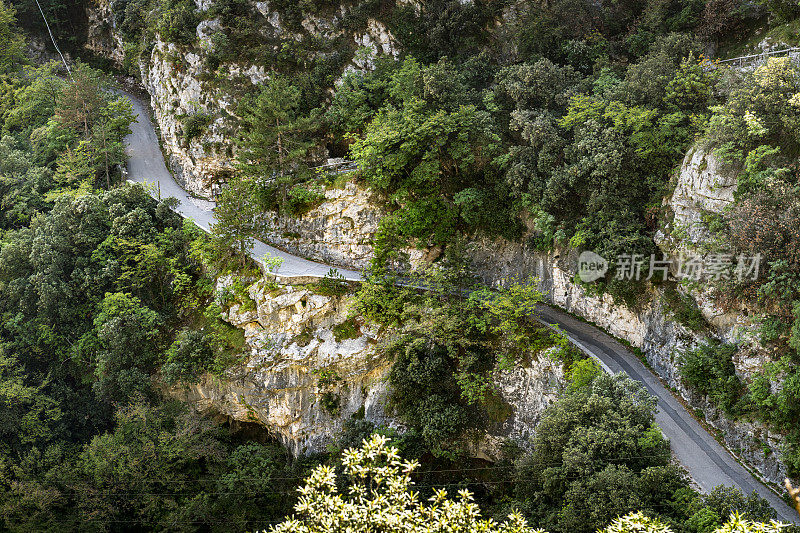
x: 572, y: 122
x: 103, y: 296
x: 572, y: 117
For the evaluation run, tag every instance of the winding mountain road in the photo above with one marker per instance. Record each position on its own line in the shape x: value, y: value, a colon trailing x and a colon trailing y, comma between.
x: 708, y: 463
x: 146, y: 165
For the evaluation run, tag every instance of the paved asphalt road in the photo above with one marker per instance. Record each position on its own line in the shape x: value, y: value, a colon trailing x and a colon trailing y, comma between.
x: 708, y: 463
x: 146, y: 165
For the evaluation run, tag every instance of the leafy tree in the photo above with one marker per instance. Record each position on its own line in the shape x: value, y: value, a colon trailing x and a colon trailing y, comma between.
x: 236, y: 218
x: 74, y: 166
x: 536, y: 96
x: 510, y: 316
x: 636, y: 522
x: 758, y: 111
x: 593, y: 454
x: 710, y: 370
x: 727, y: 501
x: 432, y: 155
x: 640, y: 522
x: 127, y: 334
x: 12, y: 53
x: 783, y: 10
x: 178, y: 21
x: 108, y: 134
x: 380, y: 496
x: 426, y: 394
x: 80, y: 101
x: 36, y: 98
x: 583, y: 372
x: 29, y: 416
x: 358, y: 98
x: 189, y: 353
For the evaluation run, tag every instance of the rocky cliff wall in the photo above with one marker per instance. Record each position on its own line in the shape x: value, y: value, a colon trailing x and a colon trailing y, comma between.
x: 299, y: 380
x: 339, y: 231
x: 195, y: 109
x: 702, y: 188
x: 310, y: 367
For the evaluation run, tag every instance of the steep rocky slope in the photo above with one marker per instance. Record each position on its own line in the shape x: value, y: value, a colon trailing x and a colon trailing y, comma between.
x: 311, y: 367
x: 195, y: 108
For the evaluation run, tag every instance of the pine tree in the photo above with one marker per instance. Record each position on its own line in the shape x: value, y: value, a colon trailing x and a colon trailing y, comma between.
x: 276, y: 142
x: 236, y: 220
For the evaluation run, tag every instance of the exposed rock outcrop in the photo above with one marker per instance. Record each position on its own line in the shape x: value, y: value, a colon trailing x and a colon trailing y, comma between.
x: 102, y: 37
x: 195, y: 108
x: 198, y: 155
x: 339, y: 231
x: 528, y: 389
x: 299, y: 380
x: 309, y: 368
x: 703, y: 187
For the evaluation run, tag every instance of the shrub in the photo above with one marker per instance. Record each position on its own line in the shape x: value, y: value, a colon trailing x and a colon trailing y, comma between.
x: 709, y: 369
x: 178, y: 23
x: 582, y: 373
x: 333, y: 284
x: 346, y: 330
x: 684, y: 309
x: 330, y: 402
x: 194, y: 126
x: 188, y: 357
x: 302, y: 198
x: 426, y: 394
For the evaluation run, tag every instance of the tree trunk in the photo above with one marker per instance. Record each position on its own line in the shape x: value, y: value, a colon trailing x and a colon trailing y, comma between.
x: 284, y: 194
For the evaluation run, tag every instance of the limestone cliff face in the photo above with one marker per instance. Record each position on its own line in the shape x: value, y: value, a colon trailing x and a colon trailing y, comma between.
x: 339, y: 231
x: 194, y: 108
x: 180, y: 97
x: 298, y: 380
x: 702, y: 188
x: 309, y: 368
x: 102, y: 37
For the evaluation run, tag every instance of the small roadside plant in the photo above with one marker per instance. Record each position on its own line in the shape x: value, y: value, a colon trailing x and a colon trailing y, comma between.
x: 346, y: 330
x: 333, y: 284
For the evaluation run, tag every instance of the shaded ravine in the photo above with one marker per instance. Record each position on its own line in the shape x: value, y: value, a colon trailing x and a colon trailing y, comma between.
x: 707, y: 462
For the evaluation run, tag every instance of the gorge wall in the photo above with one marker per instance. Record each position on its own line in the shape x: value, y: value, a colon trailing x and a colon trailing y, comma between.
x: 195, y: 107
x: 310, y: 367
x: 702, y: 188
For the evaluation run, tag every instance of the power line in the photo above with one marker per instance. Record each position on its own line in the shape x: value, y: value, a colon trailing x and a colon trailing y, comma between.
x: 594, y: 463
x: 52, y: 38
